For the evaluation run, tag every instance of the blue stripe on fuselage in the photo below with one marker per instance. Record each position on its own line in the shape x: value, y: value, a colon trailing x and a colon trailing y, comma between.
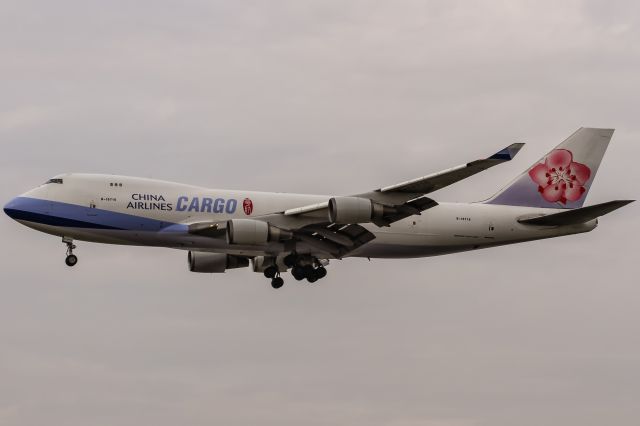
x: 55, y: 213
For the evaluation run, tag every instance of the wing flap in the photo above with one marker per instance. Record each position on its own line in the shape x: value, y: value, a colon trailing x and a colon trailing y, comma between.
x: 336, y: 240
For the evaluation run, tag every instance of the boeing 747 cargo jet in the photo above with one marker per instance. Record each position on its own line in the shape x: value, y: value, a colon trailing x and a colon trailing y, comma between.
x: 275, y: 232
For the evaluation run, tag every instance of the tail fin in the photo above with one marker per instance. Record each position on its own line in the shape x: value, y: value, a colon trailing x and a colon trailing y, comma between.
x: 562, y: 178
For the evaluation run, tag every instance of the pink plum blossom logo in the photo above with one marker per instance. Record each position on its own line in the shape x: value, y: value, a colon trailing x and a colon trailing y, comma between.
x: 247, y: 206
x: 559, y: 178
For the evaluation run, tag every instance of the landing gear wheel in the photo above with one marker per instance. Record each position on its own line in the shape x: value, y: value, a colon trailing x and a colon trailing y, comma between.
x: 277, y: 282
x: 298, y: 273
x: 71, y: 260
x: 312, y: 276
x: 308, y: 270
x: 270, y: 272
x: 321, y: 272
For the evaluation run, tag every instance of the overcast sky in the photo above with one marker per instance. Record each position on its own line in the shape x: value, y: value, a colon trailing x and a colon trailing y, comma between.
x: 332, y: 97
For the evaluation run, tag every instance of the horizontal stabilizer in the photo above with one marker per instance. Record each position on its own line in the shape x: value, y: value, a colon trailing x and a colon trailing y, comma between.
x: 576, y: 216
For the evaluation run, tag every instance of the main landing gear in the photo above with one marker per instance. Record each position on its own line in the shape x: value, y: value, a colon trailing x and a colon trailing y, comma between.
x: 71, y: 259
x: 308, y: 272
x: 277, y: 282
x: 302, y: 267
x: 273, y: 273
x: 276, y: 279
x: 306, y: 267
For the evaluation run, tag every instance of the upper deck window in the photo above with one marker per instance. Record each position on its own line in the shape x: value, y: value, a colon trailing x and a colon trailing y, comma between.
x: 55, y: 180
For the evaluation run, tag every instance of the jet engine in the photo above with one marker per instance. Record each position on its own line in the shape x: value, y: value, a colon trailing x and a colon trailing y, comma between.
x: 344, y: 210
x: 202, y: 261
x: 254, y: 232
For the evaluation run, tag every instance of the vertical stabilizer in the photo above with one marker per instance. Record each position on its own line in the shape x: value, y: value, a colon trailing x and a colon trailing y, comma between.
x: 562, y: 178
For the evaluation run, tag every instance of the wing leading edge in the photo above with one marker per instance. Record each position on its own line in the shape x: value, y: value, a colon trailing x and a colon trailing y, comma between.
x: 414, y: 188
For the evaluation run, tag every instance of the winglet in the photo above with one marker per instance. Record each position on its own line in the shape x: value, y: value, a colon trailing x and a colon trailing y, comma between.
x: 507, y: 153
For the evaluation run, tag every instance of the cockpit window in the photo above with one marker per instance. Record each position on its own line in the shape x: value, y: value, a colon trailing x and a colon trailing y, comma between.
x: 55, y: 180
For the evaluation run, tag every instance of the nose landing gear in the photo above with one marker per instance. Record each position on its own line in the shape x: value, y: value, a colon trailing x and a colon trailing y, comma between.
x: 71, y: 259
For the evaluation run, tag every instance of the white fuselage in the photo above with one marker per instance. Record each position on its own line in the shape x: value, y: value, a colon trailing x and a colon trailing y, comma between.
x: 138, y: 211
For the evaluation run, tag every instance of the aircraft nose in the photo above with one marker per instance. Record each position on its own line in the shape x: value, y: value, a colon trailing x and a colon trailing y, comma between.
x: 12, y: 208
x: 16, y: 208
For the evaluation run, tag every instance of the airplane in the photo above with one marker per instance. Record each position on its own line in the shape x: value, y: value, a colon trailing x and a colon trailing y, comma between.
x: 276, y: 232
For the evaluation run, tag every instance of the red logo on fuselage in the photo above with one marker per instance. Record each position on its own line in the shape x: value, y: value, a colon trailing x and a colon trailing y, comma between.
x: 247, y: 205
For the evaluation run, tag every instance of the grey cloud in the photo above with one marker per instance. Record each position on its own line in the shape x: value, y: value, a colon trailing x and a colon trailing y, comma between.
x: 323, y: 97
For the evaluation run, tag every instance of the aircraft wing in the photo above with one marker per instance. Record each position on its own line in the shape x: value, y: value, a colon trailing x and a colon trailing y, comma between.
x: 312, y: 223
x: 415, y: 188
x: 399, y: 212
x: 335, y: 240
x: 407, y: 198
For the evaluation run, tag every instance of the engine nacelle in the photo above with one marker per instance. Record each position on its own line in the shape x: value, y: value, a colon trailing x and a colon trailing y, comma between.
x: 254, y: 232
x: 202, y: 261
x: 343, y: 210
